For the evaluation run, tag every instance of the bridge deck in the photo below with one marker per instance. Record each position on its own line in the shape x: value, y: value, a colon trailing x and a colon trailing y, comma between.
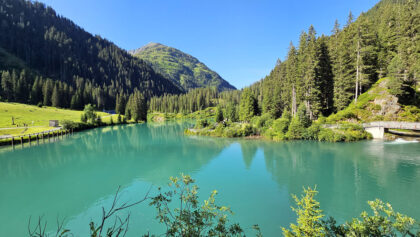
x: 393, y: 125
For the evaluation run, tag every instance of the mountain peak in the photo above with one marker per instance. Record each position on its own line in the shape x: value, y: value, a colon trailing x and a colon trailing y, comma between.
x: 145, y: 47
x: 181, y: 68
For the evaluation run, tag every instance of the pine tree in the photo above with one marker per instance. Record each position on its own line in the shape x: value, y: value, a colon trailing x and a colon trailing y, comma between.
x: 219, y: 114
x: 7, y: 86
x: 231, y: 113
x: 36, y: 91
x: 248, y: 106
x: 324, y: 80
x: 55, y: 97
x: 47, y: 90
x: 292, y: 79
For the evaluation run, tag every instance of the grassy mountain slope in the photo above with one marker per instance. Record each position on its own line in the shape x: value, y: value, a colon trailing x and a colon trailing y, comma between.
x: 183, y: 69
x: 378, y: 104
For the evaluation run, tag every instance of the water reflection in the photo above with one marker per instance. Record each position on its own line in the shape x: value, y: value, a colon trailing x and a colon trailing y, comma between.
x: 53, y: 178
x: 346, y: 174
x: 76, y: 176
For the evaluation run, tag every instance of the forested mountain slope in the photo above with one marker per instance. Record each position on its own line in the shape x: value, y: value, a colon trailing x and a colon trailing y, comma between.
x: 183, y: 69
x: 61, y: 56
x: 377, y: 104
x: 328, y: 73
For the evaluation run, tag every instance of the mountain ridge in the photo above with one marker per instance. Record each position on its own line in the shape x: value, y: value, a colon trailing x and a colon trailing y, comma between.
x: 91, y: 69
x: 181, y: 68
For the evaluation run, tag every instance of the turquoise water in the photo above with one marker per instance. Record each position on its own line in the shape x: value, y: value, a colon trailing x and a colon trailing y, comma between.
x: 76, y: 176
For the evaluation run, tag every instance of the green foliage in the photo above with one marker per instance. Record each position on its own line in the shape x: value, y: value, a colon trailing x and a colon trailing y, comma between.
x: 346, y: 133
x: 384, y: 221
x: 64, y: 65
x: 262, y: 122
x: 90, y: 116
x: 183, y: 69
x: 202, y: 123
x: 309, y: 216
x: 219, y: 114
x: 231, y: 113
x: 69, y: 125
x: 296, y: 129
x: 223, y: 129
x: 410, y: 113
x: 136, y: 107
x: 312, y: 132
x: 248, y: 106
x: 281, y: 126
x: 190, y: 218
x: 303, y: 116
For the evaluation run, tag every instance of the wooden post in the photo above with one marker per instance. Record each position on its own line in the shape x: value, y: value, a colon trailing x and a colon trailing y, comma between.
x: 21, y: 141
x: 29, y: 137
x: 13, y: 145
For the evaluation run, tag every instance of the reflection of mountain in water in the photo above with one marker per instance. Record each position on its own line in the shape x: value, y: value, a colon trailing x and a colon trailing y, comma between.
x: 346, y: 174
x: 93, y: 164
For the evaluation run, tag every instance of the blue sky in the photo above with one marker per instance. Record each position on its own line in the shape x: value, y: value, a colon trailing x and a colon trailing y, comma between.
x: 239, y: 39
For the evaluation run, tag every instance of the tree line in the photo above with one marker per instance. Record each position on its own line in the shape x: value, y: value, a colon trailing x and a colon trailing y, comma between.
x: 194, y: 100
x: 328, y: 73
x: 81, y: 68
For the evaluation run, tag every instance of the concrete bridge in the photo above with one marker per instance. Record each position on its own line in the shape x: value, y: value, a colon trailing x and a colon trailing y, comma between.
x: 378, y: 129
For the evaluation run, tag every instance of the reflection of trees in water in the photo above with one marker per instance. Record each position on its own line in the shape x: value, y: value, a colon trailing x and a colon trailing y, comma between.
x: 93, y: 164
x: 249, y: 150
x: 347, y: 174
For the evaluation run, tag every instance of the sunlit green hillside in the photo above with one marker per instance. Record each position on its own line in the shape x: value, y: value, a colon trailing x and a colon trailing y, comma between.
x: 183, y: 69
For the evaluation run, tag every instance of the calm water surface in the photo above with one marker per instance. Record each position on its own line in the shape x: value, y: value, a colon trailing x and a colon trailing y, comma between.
x: 75, y: 177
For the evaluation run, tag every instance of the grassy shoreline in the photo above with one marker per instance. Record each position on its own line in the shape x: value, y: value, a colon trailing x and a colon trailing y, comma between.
x: 24, y: 122
x: 316, y: 132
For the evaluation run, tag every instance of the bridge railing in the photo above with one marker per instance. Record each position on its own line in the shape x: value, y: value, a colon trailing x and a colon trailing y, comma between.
x: 394, y: 125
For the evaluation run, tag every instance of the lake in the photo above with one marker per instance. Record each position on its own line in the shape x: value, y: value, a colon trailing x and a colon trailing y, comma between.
x: 75, y: 177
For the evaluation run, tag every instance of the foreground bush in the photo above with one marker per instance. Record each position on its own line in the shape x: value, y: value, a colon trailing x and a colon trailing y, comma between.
x: 383, y: 221
x: 179, y: 209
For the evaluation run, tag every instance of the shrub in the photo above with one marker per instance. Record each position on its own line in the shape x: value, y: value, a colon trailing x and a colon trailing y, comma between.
x: 384, y: 221
x: 262, y: 121
x: 247, y: 130
x: 296, y: 129
x: 326, y: 134
x: 230, y: 132
x: 68, y: 125
x: 309, y: 216
x: 410, y: 114
x: 190, y: 218
x: 312, y: 132
x: 281, y: 125
x: 202, y: 123
x: 83, y: 118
